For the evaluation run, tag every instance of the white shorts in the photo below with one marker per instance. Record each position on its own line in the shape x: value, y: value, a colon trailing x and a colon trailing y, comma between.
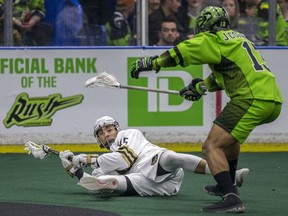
x: 147, y: 187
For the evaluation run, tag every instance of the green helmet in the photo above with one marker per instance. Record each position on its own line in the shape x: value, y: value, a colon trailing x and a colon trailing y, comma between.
x: 212, y: 19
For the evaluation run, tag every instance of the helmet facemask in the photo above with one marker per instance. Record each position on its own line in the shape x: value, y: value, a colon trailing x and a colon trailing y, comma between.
x: 101, y: 124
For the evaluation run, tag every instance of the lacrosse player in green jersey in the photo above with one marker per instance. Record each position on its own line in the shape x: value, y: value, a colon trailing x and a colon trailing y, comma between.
x: 238, y: 69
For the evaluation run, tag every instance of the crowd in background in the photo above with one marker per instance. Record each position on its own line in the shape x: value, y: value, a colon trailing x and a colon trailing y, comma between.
x: 113, y: 22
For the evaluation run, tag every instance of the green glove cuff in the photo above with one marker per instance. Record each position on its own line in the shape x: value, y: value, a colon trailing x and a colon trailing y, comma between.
x: 200, y: 89
x: 155, y: 65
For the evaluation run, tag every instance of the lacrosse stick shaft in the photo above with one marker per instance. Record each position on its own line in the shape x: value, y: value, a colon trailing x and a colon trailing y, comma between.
x: 107, y: 80
x: 50, y: 150
x: 53, y: 151
x: 149, y: 89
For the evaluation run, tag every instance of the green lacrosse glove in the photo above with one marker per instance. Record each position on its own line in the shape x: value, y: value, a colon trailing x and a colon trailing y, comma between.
x: 194, y: 91
x: 142, y: 64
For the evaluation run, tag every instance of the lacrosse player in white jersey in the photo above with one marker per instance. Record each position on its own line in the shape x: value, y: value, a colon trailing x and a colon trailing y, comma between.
x: 134, y: 166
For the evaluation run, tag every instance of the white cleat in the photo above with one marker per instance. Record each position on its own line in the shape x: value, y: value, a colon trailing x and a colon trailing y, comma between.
x: 240, y: 176
x: 98, y: 185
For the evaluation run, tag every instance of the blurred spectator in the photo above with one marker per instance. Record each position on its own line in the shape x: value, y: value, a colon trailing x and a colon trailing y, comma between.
x: 232, y: 7
x: 153, y: 5
x: 168, y: 33
x: 242, y: 7
x: 284, y: 9
x: 250, y: 11
x: 84, y: 24
x: 69, y: 23
x: 28, y: 26
x: 249, y: 25
x: 96, y: 14
x: 187, y: 15
x: 260, y: 17
x: 167, y: 8
x: 118, y: 29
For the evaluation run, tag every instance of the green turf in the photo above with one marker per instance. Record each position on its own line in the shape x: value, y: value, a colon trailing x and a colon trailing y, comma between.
x: 25, y: 179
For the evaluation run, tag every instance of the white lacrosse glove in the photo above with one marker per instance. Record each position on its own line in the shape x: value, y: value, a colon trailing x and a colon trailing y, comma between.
x: 85, y: 160
x: 36, y: 150
x: 66, y: 159
x: 79, y: 160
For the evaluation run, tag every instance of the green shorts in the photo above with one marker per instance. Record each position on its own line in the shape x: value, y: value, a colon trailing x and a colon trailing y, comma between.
x: 240, y: 117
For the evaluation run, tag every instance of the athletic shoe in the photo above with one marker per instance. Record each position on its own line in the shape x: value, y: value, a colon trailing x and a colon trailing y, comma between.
x: 98, y: 185
x: 230, y: 203
x: 214, y: 190
x: 240, y: 176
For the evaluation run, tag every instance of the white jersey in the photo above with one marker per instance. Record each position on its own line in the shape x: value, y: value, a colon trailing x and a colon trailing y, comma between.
x: 132, y: 153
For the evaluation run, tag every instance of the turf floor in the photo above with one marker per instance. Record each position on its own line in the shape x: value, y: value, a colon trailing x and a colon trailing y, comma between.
x: 24, y: 179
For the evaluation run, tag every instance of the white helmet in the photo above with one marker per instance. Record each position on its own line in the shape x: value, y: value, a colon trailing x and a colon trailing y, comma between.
x: 103, y: 122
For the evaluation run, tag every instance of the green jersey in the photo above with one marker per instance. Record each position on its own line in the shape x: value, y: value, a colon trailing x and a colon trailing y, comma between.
x: 237, y: 67
x: 286, y: 31
x: 118, y: 30
x: 262, y: 13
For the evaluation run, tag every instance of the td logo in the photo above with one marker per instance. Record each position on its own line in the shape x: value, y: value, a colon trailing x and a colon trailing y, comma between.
x: 158, y: 109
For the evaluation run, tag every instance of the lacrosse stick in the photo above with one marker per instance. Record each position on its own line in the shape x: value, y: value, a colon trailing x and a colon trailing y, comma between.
x: 42, y: 151
x: 107, y: 80
x: 39, y: 151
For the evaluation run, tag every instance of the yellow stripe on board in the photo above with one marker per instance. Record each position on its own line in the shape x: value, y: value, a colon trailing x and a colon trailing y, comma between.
x: 82, y: 148
x: 178, y: 147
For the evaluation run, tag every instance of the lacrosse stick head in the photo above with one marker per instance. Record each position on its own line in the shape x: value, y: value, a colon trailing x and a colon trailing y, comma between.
x: 36, y: 150
x: 103, y: 80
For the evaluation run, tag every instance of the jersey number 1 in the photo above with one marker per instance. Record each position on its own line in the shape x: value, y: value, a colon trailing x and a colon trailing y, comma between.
x: 257, y: 66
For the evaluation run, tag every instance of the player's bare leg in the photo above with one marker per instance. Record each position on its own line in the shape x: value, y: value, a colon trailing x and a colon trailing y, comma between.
x: 219, y: 148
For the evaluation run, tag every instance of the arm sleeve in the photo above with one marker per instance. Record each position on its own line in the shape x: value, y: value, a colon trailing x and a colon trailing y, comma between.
x: 120, y: 160
x: 212, y: 84
x: 202, y: 49
x: 112, y: 162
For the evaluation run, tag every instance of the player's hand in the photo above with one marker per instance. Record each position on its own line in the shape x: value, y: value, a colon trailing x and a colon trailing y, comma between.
x: 66, y: 163
x: 192, y: 92
x: 142, y: 64
x: 79, y: 161
x: 84, y: 160
x: 66, y: 154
